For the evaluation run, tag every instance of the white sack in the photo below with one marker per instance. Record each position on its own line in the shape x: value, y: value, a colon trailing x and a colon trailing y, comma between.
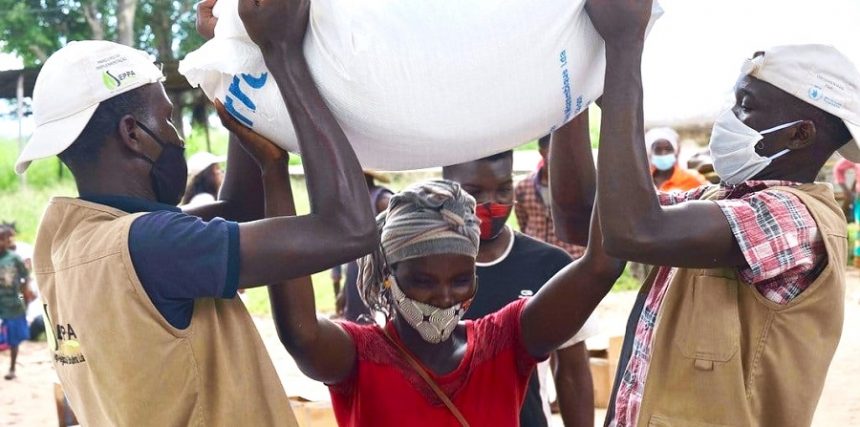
x: 418, y: 83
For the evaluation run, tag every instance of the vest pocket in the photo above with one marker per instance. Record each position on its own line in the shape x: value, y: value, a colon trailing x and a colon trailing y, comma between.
x: 709, y: 321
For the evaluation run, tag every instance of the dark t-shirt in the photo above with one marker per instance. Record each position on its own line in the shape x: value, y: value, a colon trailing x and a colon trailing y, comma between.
x: 179, y: 257
x: 521, y: 273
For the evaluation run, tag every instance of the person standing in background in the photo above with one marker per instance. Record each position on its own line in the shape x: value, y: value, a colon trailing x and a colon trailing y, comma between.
x: 204, y: 178
x: 850, y: 202
x: 663, y: 151
x: 511, y: 266
x: 13, y: 283
x: 850, y: 193
x: 533, y: 201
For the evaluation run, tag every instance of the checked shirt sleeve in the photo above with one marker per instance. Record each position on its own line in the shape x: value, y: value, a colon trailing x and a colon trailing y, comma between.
x: 779, y: 240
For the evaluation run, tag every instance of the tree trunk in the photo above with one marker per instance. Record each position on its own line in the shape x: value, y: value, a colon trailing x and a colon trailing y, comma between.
x: 39, y: 52
x: 91, y: 14
x: 125, y: 21
x: 178, y: 106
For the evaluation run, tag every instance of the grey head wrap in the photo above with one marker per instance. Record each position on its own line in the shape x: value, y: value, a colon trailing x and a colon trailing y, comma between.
x: 430, y: 218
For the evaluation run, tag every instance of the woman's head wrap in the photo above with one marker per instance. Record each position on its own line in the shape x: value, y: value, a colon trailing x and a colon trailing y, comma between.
x: 430, y: 218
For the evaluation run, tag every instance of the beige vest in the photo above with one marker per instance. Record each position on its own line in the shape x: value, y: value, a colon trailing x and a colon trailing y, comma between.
x: 120, y: 362
x: 724, y: 355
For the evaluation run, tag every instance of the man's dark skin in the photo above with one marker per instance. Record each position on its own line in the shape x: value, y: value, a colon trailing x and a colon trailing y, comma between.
x: 638, y: 228
x: 492, y: 181
x: 340, y: 226
x: 572, y: 187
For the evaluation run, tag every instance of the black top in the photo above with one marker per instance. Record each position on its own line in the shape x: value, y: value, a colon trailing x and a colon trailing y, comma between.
x: 521, y: 273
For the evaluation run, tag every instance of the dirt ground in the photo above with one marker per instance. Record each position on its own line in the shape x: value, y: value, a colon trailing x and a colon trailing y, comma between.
x: 28, y: 400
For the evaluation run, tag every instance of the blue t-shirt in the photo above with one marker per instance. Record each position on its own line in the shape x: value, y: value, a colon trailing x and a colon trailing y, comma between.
x: 179, y: 257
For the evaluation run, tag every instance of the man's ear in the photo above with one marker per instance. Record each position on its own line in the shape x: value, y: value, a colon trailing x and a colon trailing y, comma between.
x: 132, y: 137
x: 802, y: 136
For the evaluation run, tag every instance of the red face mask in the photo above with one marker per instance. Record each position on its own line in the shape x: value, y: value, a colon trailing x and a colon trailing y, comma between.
x: 493, y: 217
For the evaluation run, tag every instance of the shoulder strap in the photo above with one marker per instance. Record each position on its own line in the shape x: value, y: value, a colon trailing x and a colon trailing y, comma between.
x: 426, y: 377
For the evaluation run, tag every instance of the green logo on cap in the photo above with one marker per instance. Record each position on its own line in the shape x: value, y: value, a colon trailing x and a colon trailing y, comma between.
x: 110, y: 81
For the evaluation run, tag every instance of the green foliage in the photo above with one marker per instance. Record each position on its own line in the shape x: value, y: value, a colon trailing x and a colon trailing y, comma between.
x: 595, y: 114
x: 257, y: 299
x: 41, y: 174
x: 25, y: 206
x: 166, y: 28
x: 626, y: 283
x: 196, y: 141
x: 34, y: 29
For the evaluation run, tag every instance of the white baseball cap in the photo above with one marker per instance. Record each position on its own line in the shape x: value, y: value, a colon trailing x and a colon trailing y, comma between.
x: 819, y: 75
x: 201, y: 160
x: 72, y: 84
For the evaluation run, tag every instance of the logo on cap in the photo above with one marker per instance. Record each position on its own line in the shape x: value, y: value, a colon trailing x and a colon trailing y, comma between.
x: 815, y: 93
x: 113, y: 82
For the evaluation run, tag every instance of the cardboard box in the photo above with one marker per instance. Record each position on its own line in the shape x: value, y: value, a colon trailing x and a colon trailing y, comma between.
x: 614, y: 353
x: 602, y: 378
x: 313, y: 414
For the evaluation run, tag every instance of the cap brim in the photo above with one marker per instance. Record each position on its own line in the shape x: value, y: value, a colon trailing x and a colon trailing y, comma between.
x: 52, y: 138
x: 851, y: 150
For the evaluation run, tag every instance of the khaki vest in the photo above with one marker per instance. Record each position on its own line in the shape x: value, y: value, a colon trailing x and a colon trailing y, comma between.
x: 119, y: 361
x: 724, y: 355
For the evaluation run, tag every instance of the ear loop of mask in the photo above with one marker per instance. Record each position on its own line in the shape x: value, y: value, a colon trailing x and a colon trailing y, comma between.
x: 760, y: 144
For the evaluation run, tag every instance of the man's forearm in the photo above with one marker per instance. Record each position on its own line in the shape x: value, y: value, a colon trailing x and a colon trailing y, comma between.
x: 625, y: 183
x: 243, y: 188
x: 572, y: 180
x: 336, y: 187
x: 293, y: 304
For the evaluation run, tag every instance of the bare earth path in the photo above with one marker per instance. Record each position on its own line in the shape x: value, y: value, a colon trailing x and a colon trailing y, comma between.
x: 28, y: 400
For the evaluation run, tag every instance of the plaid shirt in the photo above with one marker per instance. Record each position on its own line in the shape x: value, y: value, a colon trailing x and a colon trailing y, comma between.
x: 534, y: 215
x: 783, y: 249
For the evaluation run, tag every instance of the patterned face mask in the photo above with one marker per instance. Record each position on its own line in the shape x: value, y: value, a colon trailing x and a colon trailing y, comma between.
x: 433, y: 323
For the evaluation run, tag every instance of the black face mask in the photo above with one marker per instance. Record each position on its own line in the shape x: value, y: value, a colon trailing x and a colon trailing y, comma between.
x: 169, y: 171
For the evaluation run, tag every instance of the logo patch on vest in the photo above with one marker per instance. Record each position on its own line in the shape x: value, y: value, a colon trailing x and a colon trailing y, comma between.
x: 63, y: 341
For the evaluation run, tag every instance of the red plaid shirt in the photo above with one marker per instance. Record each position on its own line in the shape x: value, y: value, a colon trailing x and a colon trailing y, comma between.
x: 534, y: 216
x: 783, y: 249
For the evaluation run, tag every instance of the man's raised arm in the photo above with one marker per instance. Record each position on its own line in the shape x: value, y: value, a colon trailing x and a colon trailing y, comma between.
x: 341, y: 226
x: 635, y: 227
x: 572, y: 180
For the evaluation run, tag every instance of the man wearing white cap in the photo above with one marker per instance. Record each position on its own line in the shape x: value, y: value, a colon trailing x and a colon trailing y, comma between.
x: 139, y: 297
x: 739, y: 321
x: 663, y: 153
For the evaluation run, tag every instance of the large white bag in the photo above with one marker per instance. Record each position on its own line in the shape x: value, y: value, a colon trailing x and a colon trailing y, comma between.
x: 419, y: 83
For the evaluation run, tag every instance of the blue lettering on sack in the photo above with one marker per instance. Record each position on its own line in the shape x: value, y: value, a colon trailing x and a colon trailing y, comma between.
x: 228, y: 105
x: 235, y: 90
x: 255, y: 82
x: 565, y: 86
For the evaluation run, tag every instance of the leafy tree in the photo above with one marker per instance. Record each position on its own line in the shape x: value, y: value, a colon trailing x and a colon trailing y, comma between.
x: 34, y: 29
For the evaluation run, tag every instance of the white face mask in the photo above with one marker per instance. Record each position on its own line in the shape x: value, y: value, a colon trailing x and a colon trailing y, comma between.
x: 733, y: 148
x: 433, y: 323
